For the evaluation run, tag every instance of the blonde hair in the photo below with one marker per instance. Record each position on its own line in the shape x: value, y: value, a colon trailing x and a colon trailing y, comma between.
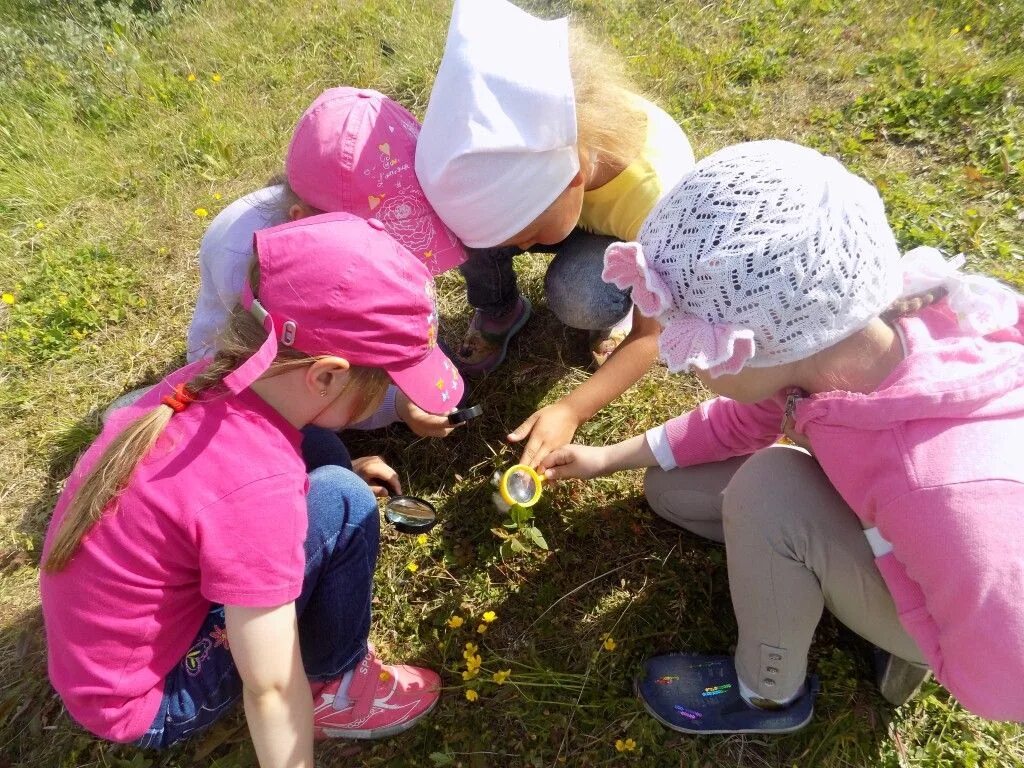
x: 609, y: 123
x: 279, y: 212
x: 113, y: 470
x: 908, y: 305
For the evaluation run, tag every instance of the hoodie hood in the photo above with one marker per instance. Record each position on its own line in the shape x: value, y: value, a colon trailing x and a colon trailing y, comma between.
x: 946, y: 373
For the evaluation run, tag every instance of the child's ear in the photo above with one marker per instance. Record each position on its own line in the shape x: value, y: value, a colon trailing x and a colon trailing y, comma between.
x: 324, y: 372
x: 300, y: 211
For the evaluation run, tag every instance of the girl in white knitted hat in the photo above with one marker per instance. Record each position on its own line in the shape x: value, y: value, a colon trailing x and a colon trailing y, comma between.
x: 777, y: 280
x: 535, y: 142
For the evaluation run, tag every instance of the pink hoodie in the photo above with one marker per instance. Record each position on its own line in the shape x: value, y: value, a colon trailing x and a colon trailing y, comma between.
x: 933, y: 459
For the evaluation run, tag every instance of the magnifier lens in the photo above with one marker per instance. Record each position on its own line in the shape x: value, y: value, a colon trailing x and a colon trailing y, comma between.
x: 521, y: 486
x: 410, y: 514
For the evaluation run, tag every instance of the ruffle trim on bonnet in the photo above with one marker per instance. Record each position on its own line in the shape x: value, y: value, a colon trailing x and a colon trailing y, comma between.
x: 982, y: 305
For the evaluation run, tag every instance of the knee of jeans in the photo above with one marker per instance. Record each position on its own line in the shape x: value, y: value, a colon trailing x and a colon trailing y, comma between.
x: 588, y: 305
x: 337, y: 498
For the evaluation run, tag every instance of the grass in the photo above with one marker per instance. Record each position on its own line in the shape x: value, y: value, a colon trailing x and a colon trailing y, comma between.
x: 121, y: 123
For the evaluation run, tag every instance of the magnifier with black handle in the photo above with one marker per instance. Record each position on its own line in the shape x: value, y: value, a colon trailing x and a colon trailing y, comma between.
x: 410, y: 514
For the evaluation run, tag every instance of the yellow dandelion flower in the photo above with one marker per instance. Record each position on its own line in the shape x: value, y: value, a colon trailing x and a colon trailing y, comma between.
x: 481, y: 628
x: 40, y: 224
x: 412, y: 567
x: 7, y: 298
x: 501, y: 676
x: 471, y: 648
x: 109, y: 49
x: 217, y: 195
x: 191, y: 77
x: 627, y: 745
x: 609, y: 643
x: 456, y: 621
x: 202, y: 213
x: 473, y: 663
x: 422, y: 539
x: 469, y: 674
x: 216, y: 77
x: 489, y: 616
x: 472, y: 695
x: 967, y: 27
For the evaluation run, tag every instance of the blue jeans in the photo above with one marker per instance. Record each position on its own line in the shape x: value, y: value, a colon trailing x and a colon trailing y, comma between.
x: 333, y: 609
x: 573, y: 286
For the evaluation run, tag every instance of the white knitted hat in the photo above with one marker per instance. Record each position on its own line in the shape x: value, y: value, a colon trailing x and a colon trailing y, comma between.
x: 498, y: 142
x: 765, y: 253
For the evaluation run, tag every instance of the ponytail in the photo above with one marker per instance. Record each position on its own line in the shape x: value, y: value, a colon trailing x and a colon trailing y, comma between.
x: 113, y: 469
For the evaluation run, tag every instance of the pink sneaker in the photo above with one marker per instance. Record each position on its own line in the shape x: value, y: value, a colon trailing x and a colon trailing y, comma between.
x: 384, y: 699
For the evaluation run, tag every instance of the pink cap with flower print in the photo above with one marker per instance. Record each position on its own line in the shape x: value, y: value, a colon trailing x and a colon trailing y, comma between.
x: 353, y: 150
x: 336, y: 284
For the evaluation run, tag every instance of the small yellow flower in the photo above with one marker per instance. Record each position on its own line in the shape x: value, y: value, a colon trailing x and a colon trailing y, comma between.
x: 473, y: 663
x: 384, y: 676
x: 456, y: 621
x: 412, y: 567
x: 191, y: 77
x: 217, y: 195
x: 216, y: 77
x: 481, y: 628
x: 40, y: 224
x: 967, y: 27
x: 110, y: 50
x: 501, y: 676
x: 609, y: 643
x: 472, y: 695
x: 489, y: 616
x: 469, y: 674
x: 8, y: 298
x: 202, y: 213
x: 470, y: 649
x: 422, y: 539
x: 627, y: 745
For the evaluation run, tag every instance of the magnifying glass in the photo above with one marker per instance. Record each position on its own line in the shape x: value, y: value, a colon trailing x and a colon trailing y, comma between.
x: 520, y: 485
x: 410, y: 514
x: 465, y: 414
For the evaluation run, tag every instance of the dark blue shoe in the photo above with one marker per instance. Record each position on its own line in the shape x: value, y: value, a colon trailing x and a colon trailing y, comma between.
x: 700, y: 694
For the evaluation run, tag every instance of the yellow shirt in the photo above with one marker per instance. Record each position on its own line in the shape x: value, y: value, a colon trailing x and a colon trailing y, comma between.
x: 619, y: 207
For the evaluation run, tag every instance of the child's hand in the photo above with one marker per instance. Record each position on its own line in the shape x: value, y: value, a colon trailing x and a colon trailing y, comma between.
x: 422, y: 423
x: 580, y: 461
x: 549, y: 428
x: 378, y: 475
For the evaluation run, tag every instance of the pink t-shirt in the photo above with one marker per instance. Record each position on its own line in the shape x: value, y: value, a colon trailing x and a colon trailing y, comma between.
x: 215, y: 513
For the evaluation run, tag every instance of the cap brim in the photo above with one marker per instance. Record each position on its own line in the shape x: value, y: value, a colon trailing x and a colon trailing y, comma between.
x: 433, y: 384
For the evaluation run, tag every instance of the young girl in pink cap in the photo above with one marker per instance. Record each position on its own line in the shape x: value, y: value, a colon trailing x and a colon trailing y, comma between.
x: 193, y: 559
x: 775, y: 277
x: 546, y: 152
x: 352, y: 150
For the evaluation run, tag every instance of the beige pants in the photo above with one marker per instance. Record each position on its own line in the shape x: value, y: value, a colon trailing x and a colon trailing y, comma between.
x: 793, y: 546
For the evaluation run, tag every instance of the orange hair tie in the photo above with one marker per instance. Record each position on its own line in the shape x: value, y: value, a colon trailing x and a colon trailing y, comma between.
x: 179, y: 401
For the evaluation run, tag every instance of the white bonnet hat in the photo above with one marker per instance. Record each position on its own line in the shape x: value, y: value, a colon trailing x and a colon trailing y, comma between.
x: 498, y: 142
x: 768, y: 252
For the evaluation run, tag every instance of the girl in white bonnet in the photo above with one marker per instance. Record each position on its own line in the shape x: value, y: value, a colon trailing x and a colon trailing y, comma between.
x: 777, y: 280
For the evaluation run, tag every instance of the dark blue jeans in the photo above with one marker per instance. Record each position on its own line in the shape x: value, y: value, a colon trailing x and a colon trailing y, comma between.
x: 573, y: 286
x: 333, y: 608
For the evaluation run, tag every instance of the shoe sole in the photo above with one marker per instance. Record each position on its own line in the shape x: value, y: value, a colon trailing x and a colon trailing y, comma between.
x: 377, y: 733
x: 694, y: 732
x: 473, y: 371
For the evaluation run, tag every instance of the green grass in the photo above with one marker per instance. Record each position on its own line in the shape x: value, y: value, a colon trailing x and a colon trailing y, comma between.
x: 108, y: 148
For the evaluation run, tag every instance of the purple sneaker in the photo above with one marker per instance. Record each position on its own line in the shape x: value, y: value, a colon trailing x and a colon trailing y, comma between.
x: 486, y: 342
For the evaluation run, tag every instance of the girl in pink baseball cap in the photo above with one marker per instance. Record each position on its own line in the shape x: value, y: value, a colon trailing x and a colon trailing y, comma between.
x: 194, y: 559
x: 352, y: 150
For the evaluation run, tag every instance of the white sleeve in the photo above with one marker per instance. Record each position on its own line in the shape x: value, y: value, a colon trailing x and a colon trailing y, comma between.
x: 657, y: 439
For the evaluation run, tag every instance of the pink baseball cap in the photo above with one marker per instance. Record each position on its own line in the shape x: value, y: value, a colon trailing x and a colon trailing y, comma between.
x: 353, y: 150
x: 335, y: 284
